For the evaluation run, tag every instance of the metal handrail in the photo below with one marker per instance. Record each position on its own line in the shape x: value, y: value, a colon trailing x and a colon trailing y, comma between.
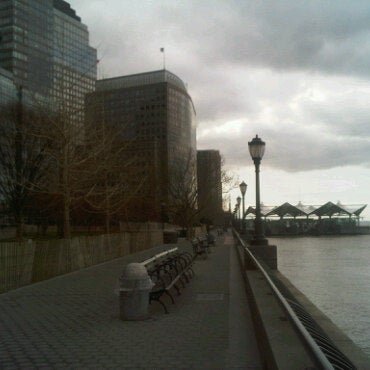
x: 315, y: 349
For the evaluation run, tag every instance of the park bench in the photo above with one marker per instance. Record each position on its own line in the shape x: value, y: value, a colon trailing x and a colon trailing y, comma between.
x: 211, y: 240
x: 201, y: 244
x: 220, y: 231
x: 200, y: 247
x: 168, y: 270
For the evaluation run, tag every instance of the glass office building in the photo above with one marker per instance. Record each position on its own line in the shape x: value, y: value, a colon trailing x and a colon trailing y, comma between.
x: 151, y: 107
x: 46, y: 48
x: 8, y: 91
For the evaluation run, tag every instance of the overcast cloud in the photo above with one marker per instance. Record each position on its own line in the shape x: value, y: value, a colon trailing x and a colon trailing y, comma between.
x: 296, y: 72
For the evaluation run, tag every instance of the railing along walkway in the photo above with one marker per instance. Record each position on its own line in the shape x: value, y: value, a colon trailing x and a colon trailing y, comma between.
x: 325, y: 353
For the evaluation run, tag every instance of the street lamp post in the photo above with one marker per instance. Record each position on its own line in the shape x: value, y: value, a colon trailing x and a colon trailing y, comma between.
x: 235, y: 213
x: 257, y: 150
x: 243, y: 189
x: 238, y: 201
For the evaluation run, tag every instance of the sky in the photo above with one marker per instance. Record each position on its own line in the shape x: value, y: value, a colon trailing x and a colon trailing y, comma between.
x: 297, y: 73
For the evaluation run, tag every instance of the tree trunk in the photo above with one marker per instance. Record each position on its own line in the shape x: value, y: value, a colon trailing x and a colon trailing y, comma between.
x: 107, y: 223
x: 19, y: 225
x: 66, y: 218
x: 107, y: 207
x: 18, y: 214
x: 66, y: 201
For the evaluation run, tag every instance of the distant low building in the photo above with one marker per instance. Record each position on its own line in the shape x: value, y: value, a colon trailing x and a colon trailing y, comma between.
x: 209, y: 185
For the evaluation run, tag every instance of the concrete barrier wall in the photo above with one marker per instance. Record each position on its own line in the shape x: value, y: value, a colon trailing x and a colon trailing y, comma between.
x: 23, y: 263
x: 16, y: 262
x: 130, y: 226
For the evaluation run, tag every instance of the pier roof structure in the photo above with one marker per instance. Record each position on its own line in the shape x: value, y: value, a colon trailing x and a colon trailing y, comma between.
x: 328, y: 209
x: 287, y: 209
x: 265, y: 210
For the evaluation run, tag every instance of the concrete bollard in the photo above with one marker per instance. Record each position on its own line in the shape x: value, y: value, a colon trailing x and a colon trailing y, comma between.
x: 266, y: 253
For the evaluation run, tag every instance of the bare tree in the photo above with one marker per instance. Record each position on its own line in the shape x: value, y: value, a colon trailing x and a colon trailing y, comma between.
x: 183, y: 193
x: 229, y: 180
x: 66, y: 130
x: 31, y: 149
x: 84, y: 170
x: 24, y: 163
x: 185, y: 205
x: 89, y: 164
x: 117, y: 177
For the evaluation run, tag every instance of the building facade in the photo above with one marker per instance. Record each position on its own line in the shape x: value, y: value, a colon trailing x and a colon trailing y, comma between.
x: 46, y: 63
x: 45, y: 47
x: 8, y: 91
x: 209, y: 185
x: 150, y: 107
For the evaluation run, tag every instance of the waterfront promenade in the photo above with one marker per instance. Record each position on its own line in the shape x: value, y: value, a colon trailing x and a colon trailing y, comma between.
x: 72, y: 321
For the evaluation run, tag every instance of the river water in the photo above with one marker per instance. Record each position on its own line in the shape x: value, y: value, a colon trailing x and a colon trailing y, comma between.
x: 334, y: 273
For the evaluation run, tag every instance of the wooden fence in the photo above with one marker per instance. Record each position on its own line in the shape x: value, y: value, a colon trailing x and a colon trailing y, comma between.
x: 16, y: 263
x: 22, y: 263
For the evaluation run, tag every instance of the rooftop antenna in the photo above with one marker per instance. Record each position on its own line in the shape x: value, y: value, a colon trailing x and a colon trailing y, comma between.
x: 164, y: 57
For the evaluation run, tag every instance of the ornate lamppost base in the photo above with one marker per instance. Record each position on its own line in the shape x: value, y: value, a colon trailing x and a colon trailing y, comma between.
x: 261, y: 241
x: 267, y: 253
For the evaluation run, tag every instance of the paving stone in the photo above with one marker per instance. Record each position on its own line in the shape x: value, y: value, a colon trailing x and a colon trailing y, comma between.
x: 72, y: 321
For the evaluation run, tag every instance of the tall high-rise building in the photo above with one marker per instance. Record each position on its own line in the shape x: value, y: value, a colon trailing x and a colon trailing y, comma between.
x: 209, y: 184
x: 8, y: 91
x: 150, y: 107
x: 45, y: 46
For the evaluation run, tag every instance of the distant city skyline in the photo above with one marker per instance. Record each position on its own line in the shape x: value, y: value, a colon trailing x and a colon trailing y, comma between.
x: 296, y: 73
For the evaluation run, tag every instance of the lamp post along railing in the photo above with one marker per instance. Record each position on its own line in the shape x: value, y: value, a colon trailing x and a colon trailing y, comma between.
x: 257, y: 150
x: 235, y: 215
x: 259, y: 228
x: 240, y: 217
x: 259, y: 245
x: 243, y: 189
x: 238, y: 200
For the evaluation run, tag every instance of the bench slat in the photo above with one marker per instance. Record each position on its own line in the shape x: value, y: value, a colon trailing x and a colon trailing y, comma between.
x: 166, y: 269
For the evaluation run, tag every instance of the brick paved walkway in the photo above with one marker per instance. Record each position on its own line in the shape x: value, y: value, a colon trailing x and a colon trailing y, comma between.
x: 73, y: 322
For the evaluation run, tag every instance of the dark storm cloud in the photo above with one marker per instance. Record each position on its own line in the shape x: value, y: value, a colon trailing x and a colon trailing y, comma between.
x: 253, y: 61
x: 331, y: 36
